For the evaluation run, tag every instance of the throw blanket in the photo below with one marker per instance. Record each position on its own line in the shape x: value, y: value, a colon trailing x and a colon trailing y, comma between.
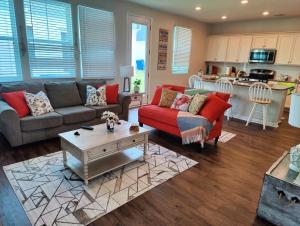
x: 193, y: 128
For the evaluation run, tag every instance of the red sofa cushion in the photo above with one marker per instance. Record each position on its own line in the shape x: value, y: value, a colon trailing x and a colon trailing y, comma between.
x: 160, y: 114
x: 179, y: 89
x: 17, y: 101
x: 223, y: 96
x: 214, y: 107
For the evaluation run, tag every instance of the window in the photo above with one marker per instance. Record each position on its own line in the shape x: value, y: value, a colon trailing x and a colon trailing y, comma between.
x: 182, y: 42
x: 10, y: 63
x: 97, y: 43
x: 50, y: 39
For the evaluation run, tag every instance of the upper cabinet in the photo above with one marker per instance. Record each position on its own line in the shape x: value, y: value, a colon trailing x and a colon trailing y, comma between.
x: 217, y: 48
x: 238, y: 48
x: 264, y: 41
x: 288, y: 49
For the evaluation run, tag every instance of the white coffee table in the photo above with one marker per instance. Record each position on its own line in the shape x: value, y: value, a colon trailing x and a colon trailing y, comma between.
x: 95, y: 152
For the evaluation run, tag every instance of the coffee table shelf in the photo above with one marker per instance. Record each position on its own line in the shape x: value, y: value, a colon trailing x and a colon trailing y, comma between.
x: 105, y: 164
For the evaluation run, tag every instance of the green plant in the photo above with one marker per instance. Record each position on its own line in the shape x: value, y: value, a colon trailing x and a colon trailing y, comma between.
x: 137, y: 82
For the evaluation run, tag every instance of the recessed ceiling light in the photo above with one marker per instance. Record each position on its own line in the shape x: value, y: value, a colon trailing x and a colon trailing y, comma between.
x: 244, y: 1
x: 224, y: 17
x: 265, y: 13
x: 197, y: 8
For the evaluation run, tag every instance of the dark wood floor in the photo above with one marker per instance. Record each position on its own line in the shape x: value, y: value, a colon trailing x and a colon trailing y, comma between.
x: 223, y: 189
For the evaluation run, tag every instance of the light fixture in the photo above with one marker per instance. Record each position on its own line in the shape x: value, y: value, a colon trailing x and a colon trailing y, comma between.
x: 224, y: 17
x: 197, y: 8
x: 244, y: 2
x: 265, y: 13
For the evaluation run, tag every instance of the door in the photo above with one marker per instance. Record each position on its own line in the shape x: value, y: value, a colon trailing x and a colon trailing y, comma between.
x: 245, y: 46
x: 284, y: 49
x: 138, y: 42
x: 233, y: 49
x: 265, y: 42
x: 296, y: 51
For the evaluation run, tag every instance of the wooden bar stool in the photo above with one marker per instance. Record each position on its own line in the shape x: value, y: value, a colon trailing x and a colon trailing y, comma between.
x: 195, y: 82
x: 260, y: 94
x: 225, y: 86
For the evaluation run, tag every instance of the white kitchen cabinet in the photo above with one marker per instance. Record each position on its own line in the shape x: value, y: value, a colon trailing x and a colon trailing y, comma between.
x: 244, y: 50
x: 295, y: 59
x: 212, y: 48
x: 284, y: 49
x: 217, y: 48
x: 238, y: 48
x: 264, y: 42
x: 233, y: 50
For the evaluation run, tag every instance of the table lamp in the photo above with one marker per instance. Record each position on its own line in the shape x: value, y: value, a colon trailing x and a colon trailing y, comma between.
x: 294, y: 120
x: 126, y: 72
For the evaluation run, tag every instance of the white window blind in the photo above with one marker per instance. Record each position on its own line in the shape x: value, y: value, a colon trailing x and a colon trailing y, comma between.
x: 10, y: 63
x: 182, y: 42
x: 97, y: 43
x: 50, y: 39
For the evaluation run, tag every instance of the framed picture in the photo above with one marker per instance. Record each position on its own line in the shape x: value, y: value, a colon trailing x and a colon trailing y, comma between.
x: 162, y: 49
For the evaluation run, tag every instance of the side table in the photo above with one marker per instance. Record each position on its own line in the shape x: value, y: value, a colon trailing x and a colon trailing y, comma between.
x: 136, y: 99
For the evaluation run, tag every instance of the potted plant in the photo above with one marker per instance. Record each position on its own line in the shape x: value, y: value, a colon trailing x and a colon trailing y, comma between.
x: 137, y: 84
x: 111, y: 119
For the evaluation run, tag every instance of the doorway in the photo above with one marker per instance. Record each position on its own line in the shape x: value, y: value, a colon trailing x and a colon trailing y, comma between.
x: 139, y: 38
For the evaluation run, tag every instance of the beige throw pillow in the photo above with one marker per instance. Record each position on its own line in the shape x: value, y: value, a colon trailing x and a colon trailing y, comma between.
x: 196, y: 104
x: 167, y: 98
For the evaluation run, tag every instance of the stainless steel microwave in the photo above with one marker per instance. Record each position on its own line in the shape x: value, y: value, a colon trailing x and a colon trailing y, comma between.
x: 262, y: 56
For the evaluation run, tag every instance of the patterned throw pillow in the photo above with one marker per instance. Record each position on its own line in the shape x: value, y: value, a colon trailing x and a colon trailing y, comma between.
x: 196, y: 103
x: 167, y: 98
x: 182, y: 102
x: 38, y: 104
x: 95, y: 97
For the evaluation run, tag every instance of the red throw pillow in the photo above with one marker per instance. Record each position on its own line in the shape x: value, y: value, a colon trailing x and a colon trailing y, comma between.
x: 157, y: 94
x: 223, y: 96
x: 17, y: 101
x: 112, y: 92
x: 214, y: 107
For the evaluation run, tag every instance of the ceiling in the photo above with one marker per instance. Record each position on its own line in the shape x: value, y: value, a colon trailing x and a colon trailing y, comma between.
x: 212, y: 10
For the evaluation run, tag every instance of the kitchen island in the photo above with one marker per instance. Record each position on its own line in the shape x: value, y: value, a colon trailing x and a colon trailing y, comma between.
x: 241, y: 105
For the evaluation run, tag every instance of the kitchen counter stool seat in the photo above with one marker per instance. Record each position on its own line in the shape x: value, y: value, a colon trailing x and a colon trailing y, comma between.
x: 260, y: 94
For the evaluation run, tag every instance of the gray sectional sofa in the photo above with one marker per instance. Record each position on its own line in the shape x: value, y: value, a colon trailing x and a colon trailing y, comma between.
x: 67, y: 98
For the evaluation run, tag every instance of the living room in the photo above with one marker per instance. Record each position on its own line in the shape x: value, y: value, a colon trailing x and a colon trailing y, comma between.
x: 147, y: 112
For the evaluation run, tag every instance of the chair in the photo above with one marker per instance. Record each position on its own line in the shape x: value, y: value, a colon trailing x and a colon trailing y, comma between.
x: 195, y: 82
x: 260, y: 94
x: 225, y: 86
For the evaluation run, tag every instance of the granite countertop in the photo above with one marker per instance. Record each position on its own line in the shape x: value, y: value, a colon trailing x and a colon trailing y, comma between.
x: 276, y: 87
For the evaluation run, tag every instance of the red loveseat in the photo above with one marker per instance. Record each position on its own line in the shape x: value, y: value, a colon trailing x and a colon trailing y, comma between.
x: 165, y: 119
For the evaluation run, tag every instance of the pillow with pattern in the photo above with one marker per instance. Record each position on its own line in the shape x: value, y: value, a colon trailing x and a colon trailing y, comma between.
x: 167, y: 98
x: 196, y: 103
x: 182, y: 102
x: 95, y: 97
x: 38, y: 104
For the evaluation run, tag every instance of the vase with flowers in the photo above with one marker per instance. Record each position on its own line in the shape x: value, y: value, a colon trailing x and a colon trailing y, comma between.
x: 111, y: 120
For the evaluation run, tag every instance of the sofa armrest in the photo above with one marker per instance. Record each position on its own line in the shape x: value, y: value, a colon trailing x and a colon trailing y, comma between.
x: 10, y: 124
x: 124, y: 100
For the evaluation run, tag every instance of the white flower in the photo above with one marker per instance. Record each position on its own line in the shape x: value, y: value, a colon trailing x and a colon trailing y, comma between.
x: 108, y: 115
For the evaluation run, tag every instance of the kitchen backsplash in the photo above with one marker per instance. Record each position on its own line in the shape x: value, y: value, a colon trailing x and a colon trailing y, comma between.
x: 292, y: 71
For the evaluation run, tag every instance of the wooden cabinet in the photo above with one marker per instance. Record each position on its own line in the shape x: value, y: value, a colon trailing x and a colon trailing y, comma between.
x: 288, y: 49
x: 238, y: 48
x: 245, y: 47
x: 284, y: 49
x: 264, y: 42
x: 295, y: 60
x: 233, y: 50
x: 217, y: 48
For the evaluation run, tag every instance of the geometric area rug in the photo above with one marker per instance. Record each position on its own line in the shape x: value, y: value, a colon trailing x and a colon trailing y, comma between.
x: 53, y: 195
